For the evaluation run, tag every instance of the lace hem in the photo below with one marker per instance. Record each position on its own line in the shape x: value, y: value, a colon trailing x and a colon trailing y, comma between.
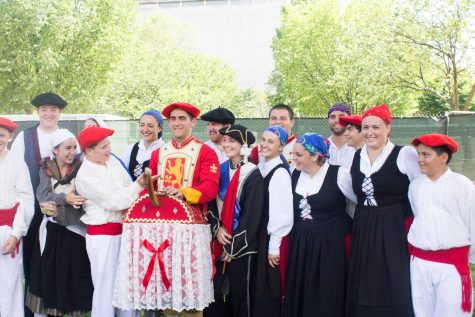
x: 187, y: 263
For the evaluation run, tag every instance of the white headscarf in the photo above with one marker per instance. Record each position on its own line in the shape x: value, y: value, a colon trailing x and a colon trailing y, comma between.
x: 100, y: 122
x: 61, y: 135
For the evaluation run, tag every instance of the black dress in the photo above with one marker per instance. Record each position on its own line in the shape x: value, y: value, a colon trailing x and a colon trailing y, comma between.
x: 316, y: 276
x: 232, y: 291
x: 135, y: 168
x: 378, y: 276
x: 267, y: 283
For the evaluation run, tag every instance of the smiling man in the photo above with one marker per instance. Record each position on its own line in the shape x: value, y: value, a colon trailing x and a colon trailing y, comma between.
x: 442, y: 236
x: 186, y: 173
x: 217, y: 119
x: 283, y: 116
x: 33, y: 144
x: 339, y: 150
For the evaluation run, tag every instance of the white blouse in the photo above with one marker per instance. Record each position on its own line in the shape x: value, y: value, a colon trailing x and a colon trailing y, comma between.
x: 281, y: 214
x: 444, y: 213
x: 15, y: 187
x: 406, y: 162
x: 309, y: 185
x: 143, y: 153
x: 108, y: 189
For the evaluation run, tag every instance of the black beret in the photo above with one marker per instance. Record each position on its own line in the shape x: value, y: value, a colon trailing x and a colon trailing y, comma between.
x: 49, y: 98
x: 239, y: 133
x: 220, y: 115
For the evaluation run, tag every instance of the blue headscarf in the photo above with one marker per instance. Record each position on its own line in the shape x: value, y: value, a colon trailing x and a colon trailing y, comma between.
x: 280, y: 132
x: 156, y: 114
x: 316, y: 144
x: 283, y: 137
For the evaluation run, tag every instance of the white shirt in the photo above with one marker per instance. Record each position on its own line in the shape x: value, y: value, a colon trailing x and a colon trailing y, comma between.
x: 15, y: 186
x: 310, y: 185
x: 44, y: 142
x: 444, y: 213
x: 342, y: 156
x: 221, y: 156
x: 281, y: 213
x: 108, y: 189
x: 143, y: 154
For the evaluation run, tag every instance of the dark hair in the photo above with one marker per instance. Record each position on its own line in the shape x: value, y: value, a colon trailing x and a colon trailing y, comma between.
x: 439, y: 150
x: 285, y: 107
x: 357, y: 127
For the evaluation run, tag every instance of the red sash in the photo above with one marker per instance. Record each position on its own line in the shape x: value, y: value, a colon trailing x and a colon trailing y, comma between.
x: 7, y: 216
x: 458, y: 257
x: 108, y: 229
x: 227, y: 214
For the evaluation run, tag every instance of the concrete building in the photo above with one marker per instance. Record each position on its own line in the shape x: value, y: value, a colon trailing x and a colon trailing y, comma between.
x: 239, y: 32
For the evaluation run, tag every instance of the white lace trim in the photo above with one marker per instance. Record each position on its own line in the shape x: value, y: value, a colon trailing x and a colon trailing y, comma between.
x: 188, y: 267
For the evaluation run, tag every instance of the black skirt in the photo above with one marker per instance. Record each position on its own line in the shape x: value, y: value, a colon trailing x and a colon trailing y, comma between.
x: 316, y: 276
x: 378, y: 276
x: 267, y: 298
x: 61, y: 276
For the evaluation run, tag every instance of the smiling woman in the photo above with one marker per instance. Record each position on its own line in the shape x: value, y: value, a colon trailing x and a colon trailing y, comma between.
x: 136, y: 156
x: 379, y: 253
x: 60, y: 280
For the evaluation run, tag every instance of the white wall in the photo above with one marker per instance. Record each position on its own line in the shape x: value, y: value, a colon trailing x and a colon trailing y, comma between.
x: 239, y: 32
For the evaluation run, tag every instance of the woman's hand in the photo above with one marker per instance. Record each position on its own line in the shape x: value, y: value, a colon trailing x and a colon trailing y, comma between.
x: 75, y: 200
x: 49, y: 208
x: 223, y: 237
x: 273, y: 260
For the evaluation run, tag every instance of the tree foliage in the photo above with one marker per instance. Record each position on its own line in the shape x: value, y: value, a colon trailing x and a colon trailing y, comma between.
x: 440, y: 34
x: 158, y: 69
x: 65, y: 46
x: 358, y: 55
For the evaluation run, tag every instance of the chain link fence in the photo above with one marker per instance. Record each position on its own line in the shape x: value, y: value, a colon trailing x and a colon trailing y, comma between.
x: 403, y: 130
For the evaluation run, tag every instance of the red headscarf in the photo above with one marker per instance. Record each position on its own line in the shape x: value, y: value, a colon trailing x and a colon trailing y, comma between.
x: 382, y: 111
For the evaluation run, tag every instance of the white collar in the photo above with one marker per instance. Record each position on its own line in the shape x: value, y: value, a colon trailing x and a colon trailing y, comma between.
x: 266, y: 167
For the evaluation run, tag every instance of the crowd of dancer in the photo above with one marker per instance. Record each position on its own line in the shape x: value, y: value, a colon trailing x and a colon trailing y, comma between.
x: 270, y: 225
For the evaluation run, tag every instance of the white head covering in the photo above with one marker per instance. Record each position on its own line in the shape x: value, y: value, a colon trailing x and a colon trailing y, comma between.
x: 100, y: 122
x: 61, y: 135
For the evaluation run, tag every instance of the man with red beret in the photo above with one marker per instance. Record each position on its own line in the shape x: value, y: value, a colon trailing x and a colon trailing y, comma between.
x: 171, y: 228
x: 352, y: 134
x: 16, y: 212
x: 34, y: 144
x: 442, y: 236
x: 109, y: 191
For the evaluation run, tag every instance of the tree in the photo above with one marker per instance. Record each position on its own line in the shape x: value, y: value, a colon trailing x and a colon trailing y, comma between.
x: 158, y: 68
x: 323, y: 56
x: 439, y: 35
x: 65, y: 46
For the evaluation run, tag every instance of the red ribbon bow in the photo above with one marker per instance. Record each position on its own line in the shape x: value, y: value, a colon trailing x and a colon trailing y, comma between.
x: 151, y: 265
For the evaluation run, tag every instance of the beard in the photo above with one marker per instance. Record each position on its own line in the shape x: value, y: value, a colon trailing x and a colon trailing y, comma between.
x: 337, y: 130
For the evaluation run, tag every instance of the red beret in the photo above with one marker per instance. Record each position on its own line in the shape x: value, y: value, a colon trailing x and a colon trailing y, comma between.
x: 195, y: 112
x: 435, y: 139
x: 354, y: 119
x: 93, y: 135
x: 381, y: 111
x: 8, y: 124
